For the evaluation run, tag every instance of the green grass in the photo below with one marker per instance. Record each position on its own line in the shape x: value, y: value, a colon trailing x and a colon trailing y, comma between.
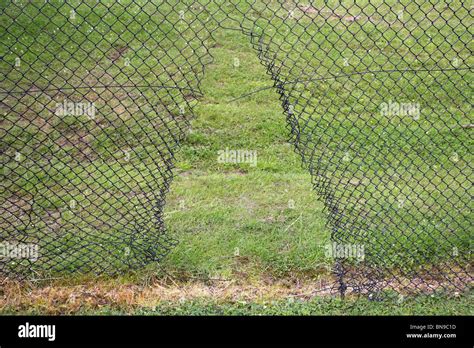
x: 237, y: 220
x: 318, y: 306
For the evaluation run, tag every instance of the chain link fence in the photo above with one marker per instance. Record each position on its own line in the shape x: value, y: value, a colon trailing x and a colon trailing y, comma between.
x: 96, y: 97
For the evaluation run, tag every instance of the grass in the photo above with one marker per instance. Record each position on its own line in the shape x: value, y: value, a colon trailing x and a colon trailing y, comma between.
x: 235, y: 221
x: 319, y: 306
x: 157, y: 295
x: 228, y: 207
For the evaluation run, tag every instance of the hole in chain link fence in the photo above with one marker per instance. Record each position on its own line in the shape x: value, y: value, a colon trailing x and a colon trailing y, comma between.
x: 96, y: 97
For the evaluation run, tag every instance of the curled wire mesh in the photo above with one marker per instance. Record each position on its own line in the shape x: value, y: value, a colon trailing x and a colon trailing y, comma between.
x: 97, y: 96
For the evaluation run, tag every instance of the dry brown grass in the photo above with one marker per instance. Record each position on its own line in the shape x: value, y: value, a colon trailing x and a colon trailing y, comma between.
x: 93, y: 295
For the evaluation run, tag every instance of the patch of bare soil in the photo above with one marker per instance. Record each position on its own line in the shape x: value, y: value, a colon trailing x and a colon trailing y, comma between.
x: 117, y: 52
x: 15, y: 210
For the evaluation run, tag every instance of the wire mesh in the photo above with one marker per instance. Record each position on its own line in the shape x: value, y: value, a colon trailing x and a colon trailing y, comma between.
x: 97, y: 97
